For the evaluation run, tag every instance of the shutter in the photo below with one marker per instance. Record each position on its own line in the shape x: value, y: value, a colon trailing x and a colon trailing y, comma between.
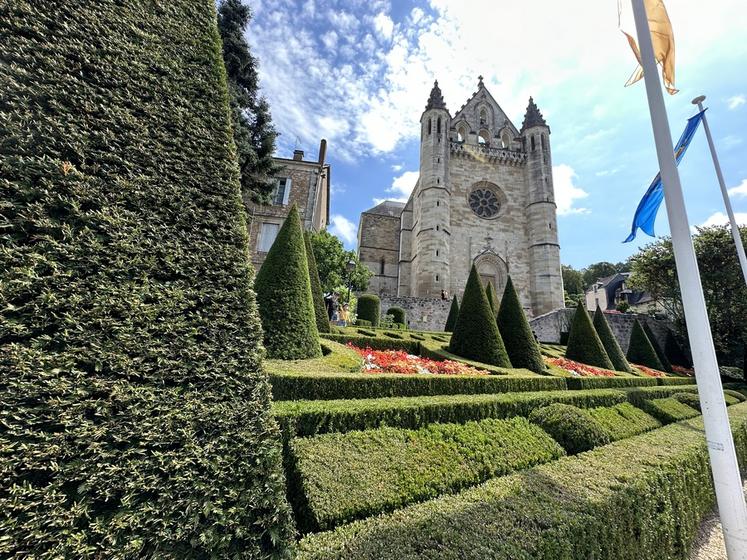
x: 286, y: 194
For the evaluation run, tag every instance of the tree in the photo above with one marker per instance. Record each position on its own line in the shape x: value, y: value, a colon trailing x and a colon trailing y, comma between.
x: 640, y: 350
x: 476, y: 335
x: 522, y: 347
x: 609, y: 341
x: 253, y: 132
x: 369, y: 309
x: 489, y: 296
x: 453, y: 314
x: 573, y: 280
x: 283, y: 288
x: 595, y: 271
x: 666, y: 366
x: 332, y: 262
x: 583, y: 342
x: 320, y: 311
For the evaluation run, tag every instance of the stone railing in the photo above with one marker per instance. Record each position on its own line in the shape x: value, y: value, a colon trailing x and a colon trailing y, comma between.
x: 488, y: 153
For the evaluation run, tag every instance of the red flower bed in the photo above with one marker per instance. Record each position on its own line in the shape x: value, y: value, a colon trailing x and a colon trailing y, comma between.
x: 398, y: 361
x: 578, y: 368
x: 683, y: 371
x: 649, y: 372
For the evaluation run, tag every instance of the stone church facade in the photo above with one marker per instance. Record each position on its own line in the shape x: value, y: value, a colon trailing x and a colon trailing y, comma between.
x: 484, y: 197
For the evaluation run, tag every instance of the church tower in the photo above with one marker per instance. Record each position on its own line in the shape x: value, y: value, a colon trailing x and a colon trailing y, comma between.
x: 431, y: 203
x: 546, y: 283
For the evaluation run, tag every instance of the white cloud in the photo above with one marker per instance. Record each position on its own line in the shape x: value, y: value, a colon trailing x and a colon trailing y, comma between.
x: 739, y: 190
x: 403, y: 184
x: 736, y: 100
x: 344, y: 229
x: 384, y: 25
x: 397, y: 167
x: 330, y: 40
x: 721, y: 219
x: 566, y: 193
x: 607, y: 172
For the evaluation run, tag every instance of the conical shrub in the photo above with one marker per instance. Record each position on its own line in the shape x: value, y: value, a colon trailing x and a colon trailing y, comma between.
x: 640, y: 350
x: 453, y: 315
x: 489, y: 295
x: 320, y: 311
x: 476, y: 335
x: 614, y: 352
x: 658, y: 349
x: 521, y: 346
x: 583, y: 342
x: 286, y: 305
x: 674, y: 351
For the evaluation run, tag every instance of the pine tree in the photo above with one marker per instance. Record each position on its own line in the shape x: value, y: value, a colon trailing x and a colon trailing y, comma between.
x: 322, y: 319
x: 453, y: 315
x: 476, y: 335
x: 583, y: 342
x: 614, y: 352
x: 286, y: 305
x: 522, y: 347
x: 640, y: 350
x: 490, y: 296
x: 253, y: 132
x: 674, y: 351
x: 658, y: 349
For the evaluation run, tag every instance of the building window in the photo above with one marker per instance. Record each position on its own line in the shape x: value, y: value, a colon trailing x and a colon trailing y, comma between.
x: 436, y: 228
x: 429, y: 127
x: 542, y: 140
x: 282, y: 191
x: 483, y: 138
x: 461, y: 134
x: 438, y: 203
x: 484, y: 203
x: 483, y: 117
x: 436, y: 252
x: 381, y: 266
x: 267, y: 236
x: 438, y: 126
x: 533, y: 145
x: 436, y: 277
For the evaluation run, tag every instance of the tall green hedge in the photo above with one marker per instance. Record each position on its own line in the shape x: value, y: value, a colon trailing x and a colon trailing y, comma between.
x: 399, y: 314
x: 674, y: 351
x: 320, y: 310
x: 476, y: 333
x: 453, y: 315
x: 573, y: 428
x: 657, y: 348
x: 609, y: 341
x: 369, y: 308
x: 640, y: 350
x: 523, y: 349
x: 490, y: 297
x: 583, y: 341
x: 286, y: 305
x: 134, y: 412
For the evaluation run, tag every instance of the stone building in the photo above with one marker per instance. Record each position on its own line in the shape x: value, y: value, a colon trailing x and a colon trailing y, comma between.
x: 305, y: 183
x: 611, y: 291
x: 484, y: 196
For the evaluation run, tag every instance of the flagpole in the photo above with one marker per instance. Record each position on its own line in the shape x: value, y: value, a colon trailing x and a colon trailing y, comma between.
x: 734, y: 227
x: 726, y: 478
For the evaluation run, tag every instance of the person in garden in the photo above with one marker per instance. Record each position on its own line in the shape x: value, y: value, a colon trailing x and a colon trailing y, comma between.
x: 344, y: 315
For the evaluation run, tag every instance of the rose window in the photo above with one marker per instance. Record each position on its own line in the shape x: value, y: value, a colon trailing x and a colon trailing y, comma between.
x: 484, y: 203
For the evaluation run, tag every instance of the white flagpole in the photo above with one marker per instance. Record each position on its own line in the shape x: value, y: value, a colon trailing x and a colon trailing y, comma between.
x: 726, y: 478
x: 734, y: 227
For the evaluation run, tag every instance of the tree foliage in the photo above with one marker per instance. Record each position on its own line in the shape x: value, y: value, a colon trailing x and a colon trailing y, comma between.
x: 583, y: 342
x: 573, y: 280
x: 595, y: 271
x: 609, y: 341
x: 332, y: 262
x: 523, y: 349
x: 320, y: 311
x: 640, y: 350
x: 369, y: 308
x: 453, y: 314
x: 490, y: 297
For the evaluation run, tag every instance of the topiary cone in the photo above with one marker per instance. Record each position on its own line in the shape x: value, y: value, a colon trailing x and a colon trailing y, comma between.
x: 659, y: 351
x: 286, y: 305
x: 583, y: 342
x: 453, y: 315
x: 522, y: 347
x: 640, y: 350
x: 320, y: 311
x: 614, y: 352
x: 476, y: 334
x: 489, y: 295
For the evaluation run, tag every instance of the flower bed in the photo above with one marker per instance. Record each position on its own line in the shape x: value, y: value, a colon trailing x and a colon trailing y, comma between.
x: 689, y: 372
x: 647, y: 371
x: 577, y: 368
x: 398, y: 361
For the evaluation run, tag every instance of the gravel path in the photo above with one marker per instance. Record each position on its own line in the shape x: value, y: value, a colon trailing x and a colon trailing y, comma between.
x: 709, y: 544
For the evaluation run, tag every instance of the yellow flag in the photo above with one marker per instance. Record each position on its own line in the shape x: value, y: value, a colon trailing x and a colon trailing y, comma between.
x: 662, y: 37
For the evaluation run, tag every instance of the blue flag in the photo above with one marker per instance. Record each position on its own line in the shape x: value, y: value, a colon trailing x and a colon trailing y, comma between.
x: 645, y: 214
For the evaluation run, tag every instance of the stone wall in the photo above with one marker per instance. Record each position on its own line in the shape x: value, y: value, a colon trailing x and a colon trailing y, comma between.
x: 423, y: 314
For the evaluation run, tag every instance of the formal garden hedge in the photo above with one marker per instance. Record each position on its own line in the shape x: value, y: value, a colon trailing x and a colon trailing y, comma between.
x: 668, y: 410
x: 584, y: 344
x: 610, y: 382
x: 376, y: 342
x: 453, y: 314
x: 490, y: 297
x: 523, y: 349
x: 666, y: 365
x: 640, y: 350
x: 135, y: 416
x: 574, y: 429
x: 369, y: 309
x: 624, y: 420
x: 641, y: 497
x: 398, y: 314
x: 609, y: 341
x: 690, y: 399
x: 341, y: 477
x: 320, y: 310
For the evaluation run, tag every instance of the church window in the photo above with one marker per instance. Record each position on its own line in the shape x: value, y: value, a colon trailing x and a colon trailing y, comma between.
x: 483, y: 117
x: 533, y: 145
x: 461, y: 134
x: 267, y: 235
x: 542, y: 139
x: 436, y: 228
x: 484, y: 137
x: 484, y: 203
x: 438, y: 126
x: 436, y: 277
x: 381, y: 266
x: 282, y: 191
x: 429, y: 127
x: 505, y: 140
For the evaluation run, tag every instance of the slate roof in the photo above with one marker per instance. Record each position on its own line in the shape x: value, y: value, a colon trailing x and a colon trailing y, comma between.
x: 533, y: 116
x: 436, y: 100
x: 387, y: 208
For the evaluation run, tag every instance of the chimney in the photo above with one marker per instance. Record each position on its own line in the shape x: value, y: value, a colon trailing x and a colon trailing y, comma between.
x: 298, y: 155
x: 322, y: 151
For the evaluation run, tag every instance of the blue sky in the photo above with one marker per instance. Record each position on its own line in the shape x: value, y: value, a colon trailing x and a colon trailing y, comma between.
x: 359, y: 72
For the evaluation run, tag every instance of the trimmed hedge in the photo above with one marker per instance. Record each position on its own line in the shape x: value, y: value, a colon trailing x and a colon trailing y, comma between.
x: 523, y: 349
x: 736, y: 394
x: 490, y: 297
x: 624, y: 420
x: 675, y: 380
x: 668, y: 410
x: 284, y: 296
x: 641, y: 497
x: 690, y: 399
x: 341, y: 477
x: 583, y: 342
x: 134, y: 411
x: 476, y: 335
x: 363, y: 323
x: 640, y: 350
x: 376, y: 342
x: 609, y: 341
x: 320, y: 310
x: 369, y: 309
x: 399, y: 314
x: 304, y: 418
x: 674, y: 351
x: 609, y: 382
x: 453, y: 315
x: 574, y: 429
x: 658, y: 349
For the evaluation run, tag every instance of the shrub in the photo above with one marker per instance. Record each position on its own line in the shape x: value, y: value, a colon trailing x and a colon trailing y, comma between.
x: 637, y: 498
x: 398, y: 314
x: 320, y: 310
x: 377, y: 342
x: 668, y: 410
x: 690, y: 399
x: 453, y: 314
x: 341, y: 477
x: 640, y: 350
x: 609, y: 341
x: 675, y: 380
x: 363, y: 323
x: 674, y: 351
x: 574, y: 429
x: 134, y: 411
x: 609, y: 382
x: 624, y: 420
x: 658, y: 349
x: 583, y: 342
x: 369, y: 309
x: 476, y: 333
x: 523, y: 349
x: 490, y: 297
x: 736, y: 394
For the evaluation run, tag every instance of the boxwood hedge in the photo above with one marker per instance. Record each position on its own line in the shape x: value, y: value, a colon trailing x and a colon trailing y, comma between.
x: 135, y: 417
x: 369, y: 309
x: 320, y: 310
x: 398, y: 314
x: 523, y: 349
x: 453, y: 315
x: 575, y: 429
x: 624, y: 420
x: 609, y: 341
x: 668, y: 409
x: 584, y: 344
x: 640, y: 350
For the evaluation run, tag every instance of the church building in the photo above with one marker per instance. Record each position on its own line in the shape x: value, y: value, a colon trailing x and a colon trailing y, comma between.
x: 484, y: 197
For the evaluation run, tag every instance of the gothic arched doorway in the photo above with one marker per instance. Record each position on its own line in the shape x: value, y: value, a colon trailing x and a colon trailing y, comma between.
x: 493, y: 269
